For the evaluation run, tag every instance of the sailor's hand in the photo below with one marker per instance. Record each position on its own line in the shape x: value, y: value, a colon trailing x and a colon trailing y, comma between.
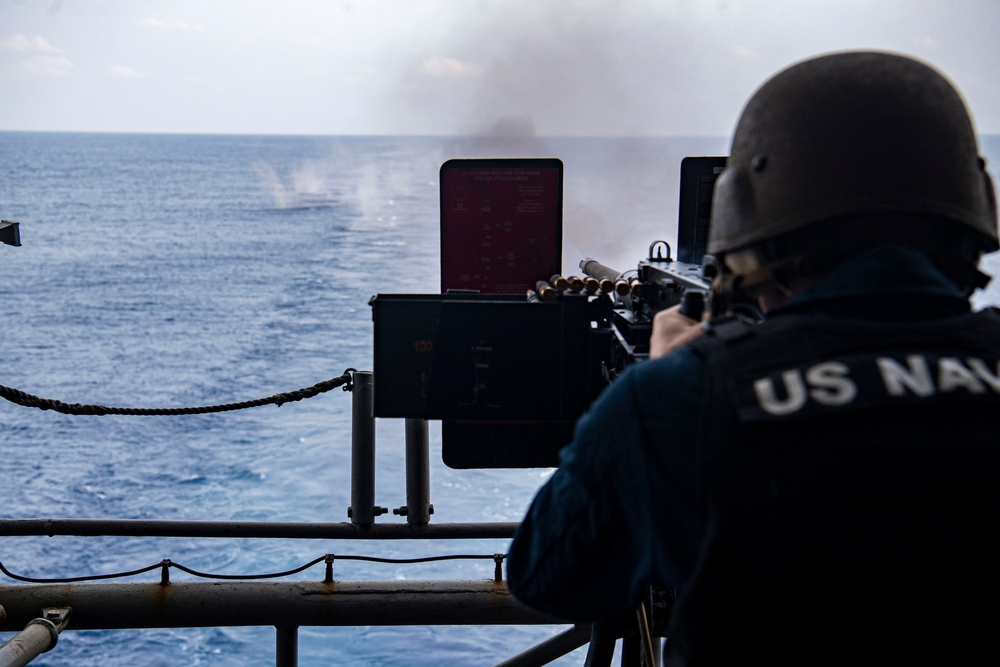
x: 672, y: 330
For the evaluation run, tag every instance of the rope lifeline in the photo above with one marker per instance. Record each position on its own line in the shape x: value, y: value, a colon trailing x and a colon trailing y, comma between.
x: 30, y: 401
x: 166, y: 564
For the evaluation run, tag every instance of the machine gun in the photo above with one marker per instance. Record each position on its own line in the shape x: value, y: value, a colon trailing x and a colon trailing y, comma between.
x: 635, y: 296
x: 507, y: 375
x: 658, y: 283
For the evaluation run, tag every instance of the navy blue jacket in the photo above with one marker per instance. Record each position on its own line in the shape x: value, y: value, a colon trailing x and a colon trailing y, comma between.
x: 624, y: 508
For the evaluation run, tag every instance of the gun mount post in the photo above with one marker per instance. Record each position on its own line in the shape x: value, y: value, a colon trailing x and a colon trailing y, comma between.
x: 363, y: 510
x: 418, y: 474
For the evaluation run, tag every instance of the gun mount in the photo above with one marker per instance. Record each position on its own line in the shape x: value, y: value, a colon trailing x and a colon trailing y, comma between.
x: 509, y: 374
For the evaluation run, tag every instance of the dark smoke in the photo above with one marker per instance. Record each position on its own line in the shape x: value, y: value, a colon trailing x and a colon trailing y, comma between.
x: 569, y: 68
x: 504, y: 82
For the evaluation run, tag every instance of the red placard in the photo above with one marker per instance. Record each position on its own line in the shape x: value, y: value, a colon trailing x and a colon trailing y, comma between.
x: 501, y: 224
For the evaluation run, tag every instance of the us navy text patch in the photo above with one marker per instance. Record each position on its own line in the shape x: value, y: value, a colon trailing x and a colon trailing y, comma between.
x: 864, y: 381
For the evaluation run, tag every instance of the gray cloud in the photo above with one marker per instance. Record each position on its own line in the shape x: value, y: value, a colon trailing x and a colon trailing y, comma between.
x: 627, y: 68
x: 571, y: 68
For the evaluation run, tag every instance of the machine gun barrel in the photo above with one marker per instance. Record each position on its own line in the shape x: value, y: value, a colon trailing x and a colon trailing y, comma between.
x: 609, y: 279
x: 595, y: 269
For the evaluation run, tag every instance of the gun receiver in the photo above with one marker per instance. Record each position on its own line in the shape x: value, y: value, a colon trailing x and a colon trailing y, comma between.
x: 658, y: 283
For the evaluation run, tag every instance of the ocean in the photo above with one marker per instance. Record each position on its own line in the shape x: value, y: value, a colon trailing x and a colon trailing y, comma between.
x: 171, y: 271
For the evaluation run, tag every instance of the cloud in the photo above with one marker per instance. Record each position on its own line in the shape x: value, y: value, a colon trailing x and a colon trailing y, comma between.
x: 449, y: 68
x: 179, y: 26
x: 36, y: 57
x: 368, y: 74
x: 47, y: 65
x: 189, y: 27
x: 36, y: 44
x: 127, y: 72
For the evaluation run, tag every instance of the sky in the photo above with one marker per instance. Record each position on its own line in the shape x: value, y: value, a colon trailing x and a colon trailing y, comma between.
x: 445, y: 67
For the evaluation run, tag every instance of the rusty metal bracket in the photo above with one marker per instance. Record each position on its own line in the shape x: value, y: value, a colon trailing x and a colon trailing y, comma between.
x: 39, y: 636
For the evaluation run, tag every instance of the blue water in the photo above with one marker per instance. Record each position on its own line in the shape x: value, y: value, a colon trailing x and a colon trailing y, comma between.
x: 189, y: 270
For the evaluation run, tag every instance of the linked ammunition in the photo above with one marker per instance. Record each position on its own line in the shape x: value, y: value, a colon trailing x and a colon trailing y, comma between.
x: 546, y: 291
x: 559, y: 282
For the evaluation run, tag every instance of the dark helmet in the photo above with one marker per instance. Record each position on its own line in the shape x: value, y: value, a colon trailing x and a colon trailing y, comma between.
x: 853, y: 137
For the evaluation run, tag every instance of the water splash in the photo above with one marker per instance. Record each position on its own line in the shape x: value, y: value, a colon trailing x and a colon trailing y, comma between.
x: 312, y: 184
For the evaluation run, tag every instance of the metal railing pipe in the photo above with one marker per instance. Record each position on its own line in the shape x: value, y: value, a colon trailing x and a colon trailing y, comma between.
x: 189, y: 604
x: 286, y: 653
x: 257, y: 529
x: 551, y: 649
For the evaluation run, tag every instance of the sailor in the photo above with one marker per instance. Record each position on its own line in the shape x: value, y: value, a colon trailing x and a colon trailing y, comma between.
x: 822, y: 486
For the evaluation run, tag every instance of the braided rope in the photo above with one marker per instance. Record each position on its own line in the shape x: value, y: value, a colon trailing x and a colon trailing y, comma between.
x: 327, y: 558
x: 30, y: 401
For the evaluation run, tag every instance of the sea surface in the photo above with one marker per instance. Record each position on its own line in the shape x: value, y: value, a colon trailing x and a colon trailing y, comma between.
x: 172, y: 271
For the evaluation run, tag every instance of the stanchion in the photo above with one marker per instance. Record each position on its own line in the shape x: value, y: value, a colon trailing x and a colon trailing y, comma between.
x: 362, y: 510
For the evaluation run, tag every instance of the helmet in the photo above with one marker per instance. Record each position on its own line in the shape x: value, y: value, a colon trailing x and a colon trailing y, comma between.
x: 848, y: 137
